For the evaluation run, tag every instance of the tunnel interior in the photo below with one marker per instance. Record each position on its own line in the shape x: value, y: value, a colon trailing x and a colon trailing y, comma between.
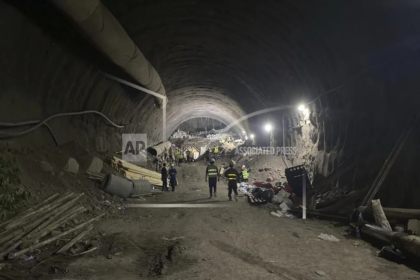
x: 201, y: 125
x: 353, y: 64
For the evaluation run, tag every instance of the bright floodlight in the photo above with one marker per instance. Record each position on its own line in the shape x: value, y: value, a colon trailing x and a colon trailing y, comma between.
x: 246, y: 137
x: 252, y: 136
x: 301, y: 107
x: 243, y: 131
x: 268, y: 127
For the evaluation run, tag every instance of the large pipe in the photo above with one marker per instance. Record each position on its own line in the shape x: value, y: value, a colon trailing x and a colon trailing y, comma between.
x: 103, y: 29
x: 408, y: 244
x: 158, y: 149
x: 394, y: 213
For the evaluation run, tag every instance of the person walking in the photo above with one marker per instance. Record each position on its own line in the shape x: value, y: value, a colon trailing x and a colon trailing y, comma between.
x: 216, y: 152
x: 213, y: 177
x: 164, y: 174
x: 233, y: 175
x: 172, y: 177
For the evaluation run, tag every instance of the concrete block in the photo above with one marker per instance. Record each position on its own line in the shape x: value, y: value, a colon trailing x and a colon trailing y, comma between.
x: 72, y: 166
x: 91, y: 163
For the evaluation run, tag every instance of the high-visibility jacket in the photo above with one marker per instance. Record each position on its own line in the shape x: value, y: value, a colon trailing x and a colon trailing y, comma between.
x: 216, y: 149
x: 232, y: 175
x: 212, y: 171
x: 245, y: 174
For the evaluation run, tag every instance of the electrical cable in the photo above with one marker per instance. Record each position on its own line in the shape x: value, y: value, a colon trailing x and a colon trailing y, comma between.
x: 4, y: 134
x: 28, y: 123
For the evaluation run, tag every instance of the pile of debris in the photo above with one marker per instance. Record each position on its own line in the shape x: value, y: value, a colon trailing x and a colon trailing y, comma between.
x: 43, y: 224
x: 260, y: 193
x: 183, y: 135
x: 218, y: 136
x: 179, y: 134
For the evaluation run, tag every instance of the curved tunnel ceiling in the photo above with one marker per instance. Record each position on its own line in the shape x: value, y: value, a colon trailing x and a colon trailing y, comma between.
x: 261, y: 54
x: 252, y: 50
x: 210, y: 54
x: 192, y: 102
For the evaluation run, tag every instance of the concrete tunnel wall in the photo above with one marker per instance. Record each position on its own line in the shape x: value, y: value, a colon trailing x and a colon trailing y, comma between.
x: 237, y: 55
x: 42, y: 76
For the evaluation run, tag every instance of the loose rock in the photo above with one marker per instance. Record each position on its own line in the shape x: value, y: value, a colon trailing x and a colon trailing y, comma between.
x: 45, y: 166
x: 72, y: 166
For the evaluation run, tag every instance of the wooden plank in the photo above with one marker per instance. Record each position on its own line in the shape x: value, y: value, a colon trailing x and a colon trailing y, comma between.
x: 342, y: 203
x: 135, y: 168
x: 338, y: 172
x: 389, y: 161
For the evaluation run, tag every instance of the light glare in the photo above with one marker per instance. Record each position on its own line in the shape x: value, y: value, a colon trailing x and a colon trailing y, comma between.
x: 268, y: 127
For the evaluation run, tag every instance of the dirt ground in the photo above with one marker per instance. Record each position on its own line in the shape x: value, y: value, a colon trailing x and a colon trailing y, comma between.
x: 234, y: 241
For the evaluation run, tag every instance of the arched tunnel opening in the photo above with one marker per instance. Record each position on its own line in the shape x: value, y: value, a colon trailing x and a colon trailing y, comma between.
x: 105, y: 105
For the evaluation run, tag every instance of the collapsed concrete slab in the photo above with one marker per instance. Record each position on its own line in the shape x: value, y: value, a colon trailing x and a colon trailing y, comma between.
x: 91, y: 163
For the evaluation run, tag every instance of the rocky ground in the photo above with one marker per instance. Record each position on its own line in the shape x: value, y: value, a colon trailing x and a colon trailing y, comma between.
x: 234, y: 241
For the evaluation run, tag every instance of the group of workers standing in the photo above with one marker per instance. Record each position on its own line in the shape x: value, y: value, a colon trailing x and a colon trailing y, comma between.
x: 227, y: 139
x: 177, y: 155
x: 171, y: 173
x: 174, y: 156
x: 213, y: 153
x: 213, y: 174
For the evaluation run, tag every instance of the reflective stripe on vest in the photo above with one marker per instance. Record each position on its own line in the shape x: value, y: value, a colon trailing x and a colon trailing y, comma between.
x: 212, y: 171
x: 245, y: 174
x: 232, y: 176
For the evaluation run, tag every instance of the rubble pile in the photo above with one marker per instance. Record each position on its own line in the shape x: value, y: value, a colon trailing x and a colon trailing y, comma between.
x: 218, y: 136
x: 181, y: 134
x: 211, y: 135
x: 259, y: 193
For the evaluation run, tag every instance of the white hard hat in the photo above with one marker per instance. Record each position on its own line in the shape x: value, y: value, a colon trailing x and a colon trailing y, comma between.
x: 243, y: 166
